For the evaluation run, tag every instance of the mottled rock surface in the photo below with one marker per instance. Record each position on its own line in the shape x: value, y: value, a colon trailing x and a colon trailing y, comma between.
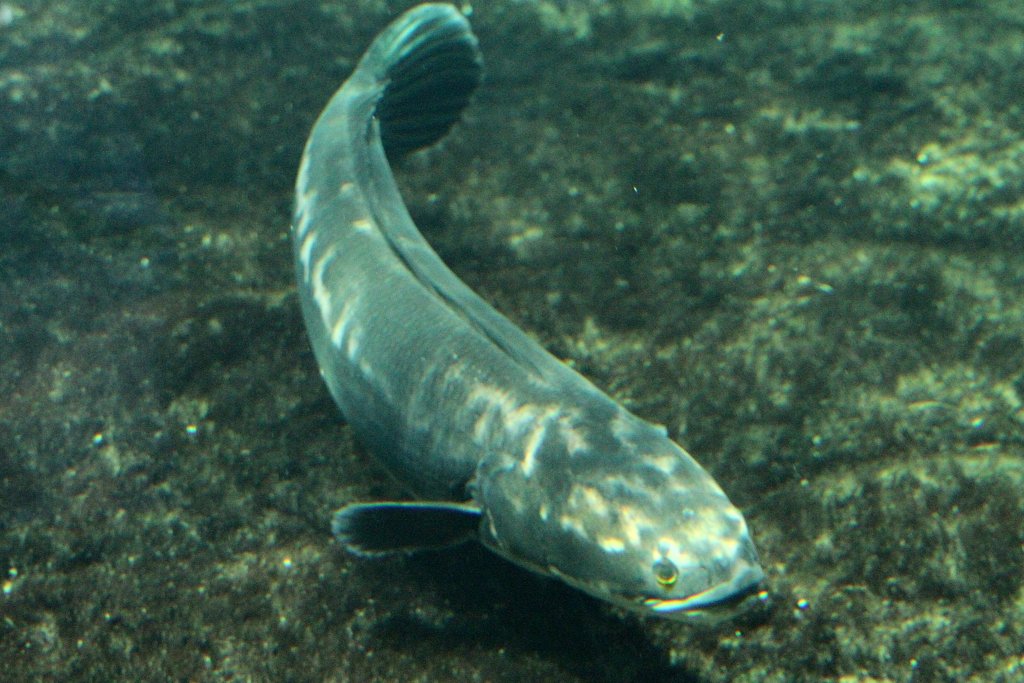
x: 790, y: 230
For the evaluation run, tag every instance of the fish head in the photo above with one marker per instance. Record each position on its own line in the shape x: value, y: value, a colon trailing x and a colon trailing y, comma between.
x: 631, y: 519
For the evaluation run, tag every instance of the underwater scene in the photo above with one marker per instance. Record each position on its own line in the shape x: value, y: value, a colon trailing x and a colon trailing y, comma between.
x: 791, y: 232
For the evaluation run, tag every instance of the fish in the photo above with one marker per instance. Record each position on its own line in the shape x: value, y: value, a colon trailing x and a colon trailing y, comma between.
x: 492, y: 436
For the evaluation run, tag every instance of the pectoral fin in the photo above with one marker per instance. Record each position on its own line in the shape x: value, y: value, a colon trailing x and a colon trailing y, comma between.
x: 387, y: 527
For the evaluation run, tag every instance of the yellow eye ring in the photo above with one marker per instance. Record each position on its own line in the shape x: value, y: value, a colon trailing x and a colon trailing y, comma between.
x: 665, y: 573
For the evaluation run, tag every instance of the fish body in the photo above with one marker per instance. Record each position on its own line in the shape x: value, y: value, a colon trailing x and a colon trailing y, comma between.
x: 494, y: 436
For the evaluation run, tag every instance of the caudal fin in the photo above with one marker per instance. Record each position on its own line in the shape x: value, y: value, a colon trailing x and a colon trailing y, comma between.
x: 431, y: 64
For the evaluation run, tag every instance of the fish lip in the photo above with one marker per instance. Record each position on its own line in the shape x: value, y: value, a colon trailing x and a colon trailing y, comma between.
x: 746, y: 581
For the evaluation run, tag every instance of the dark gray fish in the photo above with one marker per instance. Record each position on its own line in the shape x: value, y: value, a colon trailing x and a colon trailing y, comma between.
x: 495, y: 436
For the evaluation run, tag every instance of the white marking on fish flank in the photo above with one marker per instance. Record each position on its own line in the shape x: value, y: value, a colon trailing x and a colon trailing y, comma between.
x: 573, y: 437
x: 362, y: 225
x: 527, y: 421
x: 727, y: 546
x: 352, y: 343
x: 530, y: 448
x: 572, y: 524
x: 346, y: 187
x: 663, y: 463
x: 622, y: 426
x: 492, y: 399
x: 500, y: 405
x: 520, y: 416
x: 321, y: 294
x: 302, y: 180
x: 611, y: 544
x: 306, y: 252
x: 483, y: 421
x: 736, y: 517
x: 632, y: 522
x: 304, y: 212
x: 589, y: 500
x: 667, y: 547
x: 341, y: 325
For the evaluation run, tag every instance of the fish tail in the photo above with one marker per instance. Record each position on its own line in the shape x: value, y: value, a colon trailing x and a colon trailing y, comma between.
x: 430, y: 64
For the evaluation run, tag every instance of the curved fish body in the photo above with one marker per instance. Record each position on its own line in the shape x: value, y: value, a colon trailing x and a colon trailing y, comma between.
x: 493, y: 435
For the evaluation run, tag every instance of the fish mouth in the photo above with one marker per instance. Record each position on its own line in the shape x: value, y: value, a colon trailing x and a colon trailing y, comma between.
x: 734, y: 593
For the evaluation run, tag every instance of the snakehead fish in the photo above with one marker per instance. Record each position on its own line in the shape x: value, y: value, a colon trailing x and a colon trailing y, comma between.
x: 494, y: 437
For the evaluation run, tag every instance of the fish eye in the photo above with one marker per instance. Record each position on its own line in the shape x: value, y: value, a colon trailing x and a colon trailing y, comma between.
x: 665, y: 573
